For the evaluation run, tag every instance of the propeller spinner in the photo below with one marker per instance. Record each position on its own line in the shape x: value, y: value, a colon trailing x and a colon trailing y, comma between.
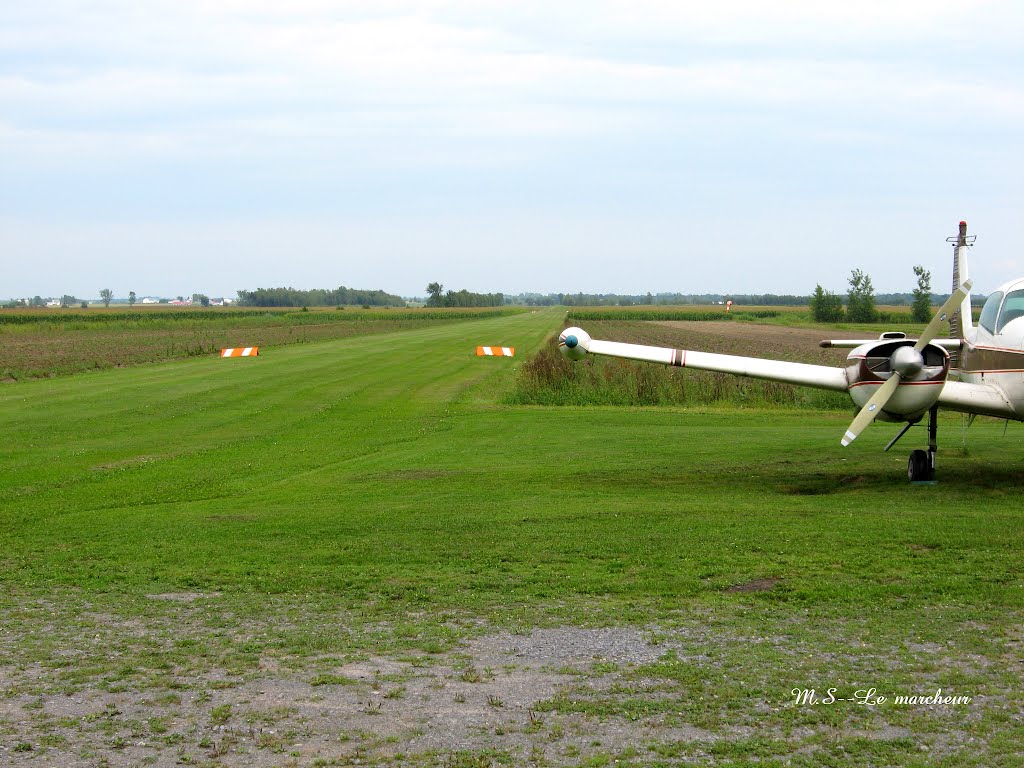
x: 905, y: 363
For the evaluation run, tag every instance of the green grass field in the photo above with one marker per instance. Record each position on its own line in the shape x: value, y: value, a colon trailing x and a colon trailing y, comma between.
x: 183, y: 534
x: 41, y: 343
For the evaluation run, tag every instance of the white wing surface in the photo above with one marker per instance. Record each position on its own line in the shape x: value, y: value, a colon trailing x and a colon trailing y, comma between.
x: 983, y: 399
x: 819, y: 376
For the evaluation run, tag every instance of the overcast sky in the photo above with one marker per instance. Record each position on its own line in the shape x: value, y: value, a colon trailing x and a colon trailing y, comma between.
x: 179, y: 146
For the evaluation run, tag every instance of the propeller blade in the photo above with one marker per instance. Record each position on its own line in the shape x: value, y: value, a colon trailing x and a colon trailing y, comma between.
x: 871, y: 408
x: 952, y: 304
x: 877, y: 402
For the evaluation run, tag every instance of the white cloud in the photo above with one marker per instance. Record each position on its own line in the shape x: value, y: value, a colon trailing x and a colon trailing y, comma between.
x: 581, y: 106
x: 168, y: 56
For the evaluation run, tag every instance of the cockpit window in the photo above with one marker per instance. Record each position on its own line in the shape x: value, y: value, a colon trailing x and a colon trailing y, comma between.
x: 1013, y: 307
x: 989, y: 312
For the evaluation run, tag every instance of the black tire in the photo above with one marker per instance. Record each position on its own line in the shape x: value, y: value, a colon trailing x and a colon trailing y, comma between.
x: 919, y: 467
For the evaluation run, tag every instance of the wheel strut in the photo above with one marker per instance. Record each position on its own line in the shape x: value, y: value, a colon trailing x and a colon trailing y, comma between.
x: 933, y: 439
x: 921, y: 466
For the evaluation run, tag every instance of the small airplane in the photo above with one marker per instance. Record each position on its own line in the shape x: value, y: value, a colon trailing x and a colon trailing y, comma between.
x: 892, y: 378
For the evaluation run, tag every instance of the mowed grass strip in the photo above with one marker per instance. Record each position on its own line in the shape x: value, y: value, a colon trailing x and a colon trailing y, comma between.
x: 44, y: 343
x: 380, y: 468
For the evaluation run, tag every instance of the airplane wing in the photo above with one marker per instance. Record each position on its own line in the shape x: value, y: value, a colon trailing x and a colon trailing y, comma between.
x: 819, y: 376
x: 983, y: 399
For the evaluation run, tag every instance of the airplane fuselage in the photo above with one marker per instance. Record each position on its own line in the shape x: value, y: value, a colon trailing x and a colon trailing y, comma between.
x: 993, y: 349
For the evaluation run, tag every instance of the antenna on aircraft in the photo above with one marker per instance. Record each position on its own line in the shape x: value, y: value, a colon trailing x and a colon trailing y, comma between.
x: 962, y: 239
x: 961, y: 274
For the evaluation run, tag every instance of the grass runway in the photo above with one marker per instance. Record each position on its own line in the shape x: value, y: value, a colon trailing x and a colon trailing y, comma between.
x: 184, y: 534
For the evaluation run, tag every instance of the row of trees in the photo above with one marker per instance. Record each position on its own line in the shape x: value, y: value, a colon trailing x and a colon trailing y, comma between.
x: 107, y: 295
x: 827, y: 307
x: 678, y: 299
x: 318, y: 297
x: 438, y: 297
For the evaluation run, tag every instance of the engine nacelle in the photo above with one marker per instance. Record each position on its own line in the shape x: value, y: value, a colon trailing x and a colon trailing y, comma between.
x: 922, y: 376
x: 574, y: 343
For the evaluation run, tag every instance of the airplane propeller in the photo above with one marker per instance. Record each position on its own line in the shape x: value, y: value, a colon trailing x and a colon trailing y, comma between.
x: 905, y: 362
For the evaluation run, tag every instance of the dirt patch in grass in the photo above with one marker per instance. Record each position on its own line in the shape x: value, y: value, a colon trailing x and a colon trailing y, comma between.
x: 757, y: 585
x: 125, y: 463
x: 480, y: 699
x: 195, y: 678
x: 184, y: 597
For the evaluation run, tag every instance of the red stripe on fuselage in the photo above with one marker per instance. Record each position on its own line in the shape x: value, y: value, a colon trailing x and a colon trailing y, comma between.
x: 902, y: 383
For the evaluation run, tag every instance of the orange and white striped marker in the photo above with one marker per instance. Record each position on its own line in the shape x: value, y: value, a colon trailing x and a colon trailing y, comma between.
x: 495, y: 351
x: 240, y: 352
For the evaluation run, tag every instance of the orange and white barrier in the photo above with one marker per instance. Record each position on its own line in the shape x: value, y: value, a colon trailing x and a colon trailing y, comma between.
x: 240, y: 352
x: 495, y: 352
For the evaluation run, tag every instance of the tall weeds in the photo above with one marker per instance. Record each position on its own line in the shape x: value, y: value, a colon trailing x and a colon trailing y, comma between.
x: 549, y: 378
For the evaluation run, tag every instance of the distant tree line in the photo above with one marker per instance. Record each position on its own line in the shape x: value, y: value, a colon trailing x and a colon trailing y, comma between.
x: 678, y: 299
x: 438, y: 297
x: 318, y: 297
x: 650, y: 299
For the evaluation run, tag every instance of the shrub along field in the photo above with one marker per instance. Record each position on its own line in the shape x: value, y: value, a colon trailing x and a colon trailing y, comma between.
x: 551, y: 379
x: 352, y: 552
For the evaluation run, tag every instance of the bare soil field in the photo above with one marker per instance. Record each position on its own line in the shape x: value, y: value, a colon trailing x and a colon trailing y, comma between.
x: 734, y: 338
x: 769, y: 335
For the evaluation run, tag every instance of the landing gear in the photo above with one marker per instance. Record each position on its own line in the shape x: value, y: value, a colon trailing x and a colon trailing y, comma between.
x: 921, y: 466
